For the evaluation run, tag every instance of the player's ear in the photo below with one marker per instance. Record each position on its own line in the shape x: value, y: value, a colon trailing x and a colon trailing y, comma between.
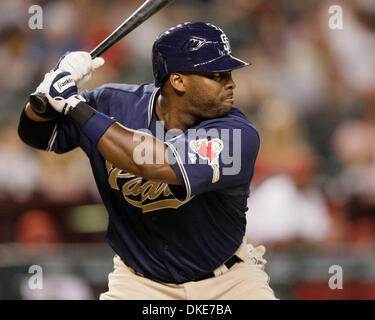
x: 177, y: 81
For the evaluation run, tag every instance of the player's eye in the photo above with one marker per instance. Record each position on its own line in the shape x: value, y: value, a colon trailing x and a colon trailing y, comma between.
x: 214, y: 76
x: 219, y: 76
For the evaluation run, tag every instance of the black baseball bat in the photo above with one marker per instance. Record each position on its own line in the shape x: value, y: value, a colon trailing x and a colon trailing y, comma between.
x: 145, y: 11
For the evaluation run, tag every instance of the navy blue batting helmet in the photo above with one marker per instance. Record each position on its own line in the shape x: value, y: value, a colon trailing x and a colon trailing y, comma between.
x: 192, y: 46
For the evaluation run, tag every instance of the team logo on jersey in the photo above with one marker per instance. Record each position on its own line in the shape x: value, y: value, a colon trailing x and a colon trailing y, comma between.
x: 141, y: 193
x: 192, y: 157
x: 209, y: 150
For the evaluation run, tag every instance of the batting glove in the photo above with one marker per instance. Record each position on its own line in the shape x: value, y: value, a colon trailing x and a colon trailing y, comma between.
x: 64, y: 106
x: 80, y: 65
x: 56, y: 84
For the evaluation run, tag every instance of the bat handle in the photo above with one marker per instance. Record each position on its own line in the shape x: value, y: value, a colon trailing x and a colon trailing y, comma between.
x: 39, y: 102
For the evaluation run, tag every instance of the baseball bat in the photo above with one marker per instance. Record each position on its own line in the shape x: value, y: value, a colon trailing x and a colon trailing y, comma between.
x: 145, y: 11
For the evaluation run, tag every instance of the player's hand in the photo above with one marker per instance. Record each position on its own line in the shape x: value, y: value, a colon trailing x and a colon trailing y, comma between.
x: 55, y: 84
x: 80, y: 65
x: 64, y: 106
x: 58, y: 84
x: 61, y: 91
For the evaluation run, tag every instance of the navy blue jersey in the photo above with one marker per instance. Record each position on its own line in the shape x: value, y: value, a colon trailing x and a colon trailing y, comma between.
x: 172, y: 233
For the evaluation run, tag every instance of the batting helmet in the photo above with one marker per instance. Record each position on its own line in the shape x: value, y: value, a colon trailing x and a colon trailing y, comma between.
x: 192, y: 46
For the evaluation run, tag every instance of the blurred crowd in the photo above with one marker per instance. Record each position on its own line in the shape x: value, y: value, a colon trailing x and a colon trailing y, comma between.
x: 310, y: 91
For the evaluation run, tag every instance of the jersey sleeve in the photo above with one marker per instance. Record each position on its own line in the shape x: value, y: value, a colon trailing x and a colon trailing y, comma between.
x: 67, y: 136
x: 217, y: 156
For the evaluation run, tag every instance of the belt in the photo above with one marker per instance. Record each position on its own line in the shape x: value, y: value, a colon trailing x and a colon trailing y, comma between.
x: 229, y: 264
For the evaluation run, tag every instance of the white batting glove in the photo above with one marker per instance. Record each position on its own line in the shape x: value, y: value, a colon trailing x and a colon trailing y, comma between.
x: 80, y: 65
x: 45, y: 85
x: 64, y: 106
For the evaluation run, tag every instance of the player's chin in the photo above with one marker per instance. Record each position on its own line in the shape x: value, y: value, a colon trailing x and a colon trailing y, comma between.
x: 220, y: 110
x: 226, y: 105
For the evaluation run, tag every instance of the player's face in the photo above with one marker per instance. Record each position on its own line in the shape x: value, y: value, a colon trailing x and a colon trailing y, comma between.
x: 210, y: 93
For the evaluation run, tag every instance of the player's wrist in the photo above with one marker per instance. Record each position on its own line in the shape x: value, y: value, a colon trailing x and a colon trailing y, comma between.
x: 91, y: 122
x: 81, y: 114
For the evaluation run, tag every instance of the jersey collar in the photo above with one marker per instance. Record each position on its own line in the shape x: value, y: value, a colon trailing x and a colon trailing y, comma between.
x: 151, y: 105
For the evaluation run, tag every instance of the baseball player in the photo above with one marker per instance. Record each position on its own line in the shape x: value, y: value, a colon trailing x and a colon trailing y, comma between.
x: 173, y: 161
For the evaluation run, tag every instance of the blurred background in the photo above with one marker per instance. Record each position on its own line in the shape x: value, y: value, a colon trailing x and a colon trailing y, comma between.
x: 310, y: 91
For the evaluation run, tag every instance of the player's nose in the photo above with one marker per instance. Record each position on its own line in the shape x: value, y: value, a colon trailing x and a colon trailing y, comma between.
x: 229, y: 82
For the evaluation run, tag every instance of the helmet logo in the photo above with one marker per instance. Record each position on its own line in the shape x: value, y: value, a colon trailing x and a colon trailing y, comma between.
x: 193, y: 44
x: 226, y: 44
